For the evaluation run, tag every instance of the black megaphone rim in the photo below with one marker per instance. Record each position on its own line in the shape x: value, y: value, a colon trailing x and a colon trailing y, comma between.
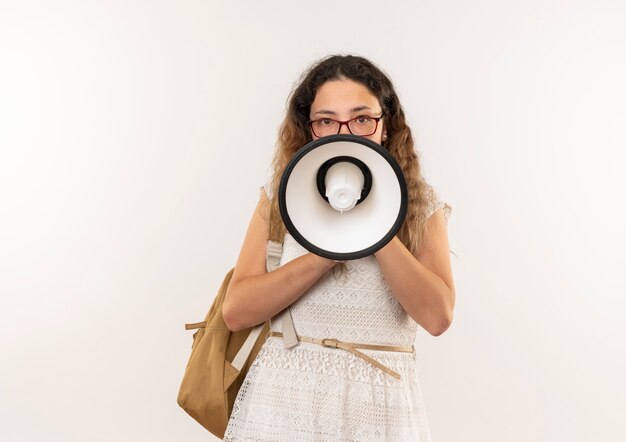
x: 291, y: 228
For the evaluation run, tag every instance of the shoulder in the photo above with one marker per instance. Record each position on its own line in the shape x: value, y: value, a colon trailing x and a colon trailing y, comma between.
x: 263, y: 205
x: 267, y: 188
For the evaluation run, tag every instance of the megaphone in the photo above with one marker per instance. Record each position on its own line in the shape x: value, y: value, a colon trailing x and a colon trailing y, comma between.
x: 342, y: 197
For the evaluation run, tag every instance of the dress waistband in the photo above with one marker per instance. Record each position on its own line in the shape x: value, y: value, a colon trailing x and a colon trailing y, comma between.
x: 352, y: 348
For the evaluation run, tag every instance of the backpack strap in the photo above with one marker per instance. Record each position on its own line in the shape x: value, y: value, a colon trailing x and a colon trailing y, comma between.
x: 290, y: 338
x: 274, y: 252
x: 244, y: 352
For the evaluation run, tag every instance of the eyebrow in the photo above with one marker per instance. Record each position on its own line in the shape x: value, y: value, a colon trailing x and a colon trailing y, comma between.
x: 354, y: 109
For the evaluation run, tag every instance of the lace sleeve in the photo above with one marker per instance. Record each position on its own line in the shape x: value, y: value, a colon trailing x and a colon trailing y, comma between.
x: 434, y: 204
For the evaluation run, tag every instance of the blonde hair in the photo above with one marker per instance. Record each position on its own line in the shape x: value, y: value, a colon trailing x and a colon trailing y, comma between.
x: 294, y: 133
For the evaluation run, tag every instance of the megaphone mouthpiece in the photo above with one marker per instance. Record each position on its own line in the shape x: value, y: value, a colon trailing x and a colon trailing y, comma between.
x: 344, y: 183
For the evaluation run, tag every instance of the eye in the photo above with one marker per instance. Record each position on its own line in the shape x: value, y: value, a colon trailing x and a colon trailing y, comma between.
x: 362, y: 119
x: 325, y: 121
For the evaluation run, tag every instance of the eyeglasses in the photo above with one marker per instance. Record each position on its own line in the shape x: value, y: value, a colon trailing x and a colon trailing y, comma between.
x: 362, y: 125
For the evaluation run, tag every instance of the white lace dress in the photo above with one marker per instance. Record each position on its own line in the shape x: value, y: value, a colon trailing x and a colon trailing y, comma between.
x: 316, y: 393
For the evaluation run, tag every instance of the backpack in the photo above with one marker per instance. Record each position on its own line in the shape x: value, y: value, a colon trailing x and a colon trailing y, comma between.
x: 220, y: 359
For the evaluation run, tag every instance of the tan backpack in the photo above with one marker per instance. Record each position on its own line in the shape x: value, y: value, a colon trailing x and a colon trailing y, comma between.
x: 220, y: 359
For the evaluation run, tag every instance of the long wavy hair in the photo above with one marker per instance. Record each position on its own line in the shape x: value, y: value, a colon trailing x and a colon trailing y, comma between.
x: 294, y: 133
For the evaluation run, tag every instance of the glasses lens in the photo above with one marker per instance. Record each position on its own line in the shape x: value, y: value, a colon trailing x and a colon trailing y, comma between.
x: 362, y: 126
x: 325, y: 127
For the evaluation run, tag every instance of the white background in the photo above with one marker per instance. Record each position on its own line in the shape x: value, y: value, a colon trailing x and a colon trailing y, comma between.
x: 134, y: 136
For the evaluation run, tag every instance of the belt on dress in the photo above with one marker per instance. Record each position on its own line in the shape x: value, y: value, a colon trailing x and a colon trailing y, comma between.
x: 352, y: 348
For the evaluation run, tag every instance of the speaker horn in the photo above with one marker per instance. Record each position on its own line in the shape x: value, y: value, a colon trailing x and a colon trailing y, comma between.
x: 342, y: 197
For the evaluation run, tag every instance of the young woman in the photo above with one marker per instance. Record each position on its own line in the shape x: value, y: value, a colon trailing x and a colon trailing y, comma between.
x: 317, y: 392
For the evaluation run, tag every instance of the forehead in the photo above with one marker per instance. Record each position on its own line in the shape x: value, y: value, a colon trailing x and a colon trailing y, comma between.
x: 343, y: 95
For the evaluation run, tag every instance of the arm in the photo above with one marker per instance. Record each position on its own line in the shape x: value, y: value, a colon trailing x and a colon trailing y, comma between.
x: 422, y: 284
x: 253, y: 295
